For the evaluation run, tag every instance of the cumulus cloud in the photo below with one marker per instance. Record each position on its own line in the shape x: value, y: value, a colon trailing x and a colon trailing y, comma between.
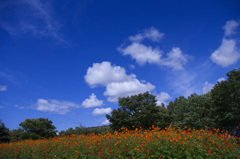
x: 207, y: 87
x: 101, y: 111
x: 105, y: 122
x: 147, y: 54
x: 116, y: 81
x: 92, y: 101
x: 141, y: 53
x: 126, y: 88
x: 230, y: 27
x: 175, y: 59
x: 3, y: 88
x: 151, y: 34
x: 104, y: 73
x: 228, y: 52
x: 54, y: 106
x: 162, y: 97
x: 221, y: 79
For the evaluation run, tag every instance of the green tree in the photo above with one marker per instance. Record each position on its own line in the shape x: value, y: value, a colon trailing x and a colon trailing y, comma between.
x: 70, y: 131
x: 195, y: 111
x: 226, y: 101
x: 164, y: 118
x: 61, y: 133
x: 37, y: 128
x: 81, y: 129
x: 178, y: 112
x: 15, y: 134
x: 170, y: 108
x: 4, y: 133
x: 198, y: 111
x: 137, y: 110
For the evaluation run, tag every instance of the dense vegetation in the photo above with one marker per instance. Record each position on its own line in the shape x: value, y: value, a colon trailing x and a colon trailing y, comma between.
x: 4, y: 133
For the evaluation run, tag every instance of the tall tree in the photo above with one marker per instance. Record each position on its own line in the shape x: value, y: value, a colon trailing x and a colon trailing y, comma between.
x: 137, y: 110
x: 4, y: 133
x: 226, y: 101
x: 195, y: 111
x: 38, y: 128
x: 164, y: 118
x: 198, y: 111
x: 178, y: 114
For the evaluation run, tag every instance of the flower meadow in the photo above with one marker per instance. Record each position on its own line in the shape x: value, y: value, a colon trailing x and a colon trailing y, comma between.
x: 171, y: 142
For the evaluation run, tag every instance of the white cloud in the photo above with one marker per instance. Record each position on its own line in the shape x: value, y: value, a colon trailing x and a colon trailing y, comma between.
x: 126, y: 88
x: 147, y: 54
x: 227, y: 54
x: 101, y: 111
x: 221, y: 79
x: 162, y: 97
x: 92, y: 101
x: 207, y: 87
x: 105, y: 122
x: 229, y: 28
x: 175, y: 59
x: 3, y: 88
x: 151, y: 34
x: 1, y: 107
x: 104, y: 73
x: 54, y: 106
x: 116, y: 81
x: 142, y: 54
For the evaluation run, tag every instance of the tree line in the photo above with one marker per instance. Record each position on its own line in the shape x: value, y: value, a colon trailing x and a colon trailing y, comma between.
x: 219, y: 108
x: 41, y: 128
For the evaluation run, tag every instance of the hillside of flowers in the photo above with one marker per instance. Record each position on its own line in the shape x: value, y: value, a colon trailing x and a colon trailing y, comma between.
x: 171, y: 142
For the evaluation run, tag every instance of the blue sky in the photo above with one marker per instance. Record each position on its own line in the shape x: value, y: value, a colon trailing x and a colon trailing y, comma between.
x: 69, y: 61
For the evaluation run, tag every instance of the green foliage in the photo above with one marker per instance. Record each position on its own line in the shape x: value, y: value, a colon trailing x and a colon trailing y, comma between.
x: 95, y: 130
x: 217, y: 109
x: 37, y: 129
x: 198, y: 111
x: 82, y: 130
x: 135, y: 111
x: 194, y: 111
x: 178, y: 113
x: 15, y: 134
x: 226, y: 100
x: 70, y: 131
x: 164, y: 118
x: 4, y: 133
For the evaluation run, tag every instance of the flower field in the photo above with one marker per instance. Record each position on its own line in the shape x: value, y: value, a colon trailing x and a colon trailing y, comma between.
x: 171, y: 142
